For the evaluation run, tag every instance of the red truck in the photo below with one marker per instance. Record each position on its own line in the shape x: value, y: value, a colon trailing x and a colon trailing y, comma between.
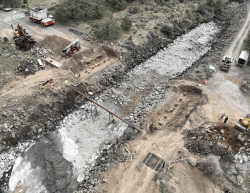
x: 41, y: 17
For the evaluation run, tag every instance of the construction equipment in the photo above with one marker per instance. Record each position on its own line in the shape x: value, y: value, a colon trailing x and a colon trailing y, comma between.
x: 22, y: 38
x: 153, y: 127
x: 244, y: 127
x: 226, y: 63
x: 70, y: 49
x: 41, y: 17
x: 19, y: 32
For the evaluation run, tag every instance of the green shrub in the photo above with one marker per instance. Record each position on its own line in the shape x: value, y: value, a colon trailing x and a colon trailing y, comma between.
x: 210, y: 3
x: 126, y: 24
x: 218, y: 6
x: 78, y: 12
x: 117, y: 4
x: 12, y: 3
x: 108, y: 29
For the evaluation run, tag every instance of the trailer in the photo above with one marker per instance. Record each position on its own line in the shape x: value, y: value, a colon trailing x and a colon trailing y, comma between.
x: 243, y: 59
x: 41, y: 17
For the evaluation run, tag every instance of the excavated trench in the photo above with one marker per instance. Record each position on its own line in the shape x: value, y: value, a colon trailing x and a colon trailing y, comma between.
x: 80, y: 137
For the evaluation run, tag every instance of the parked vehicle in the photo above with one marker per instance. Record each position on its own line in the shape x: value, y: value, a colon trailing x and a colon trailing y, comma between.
x: 243, y: 59
x: 70, y: 49
x: 210, y: 71
x: 226, y: 63
x: 41, y: 17
x: 7, y: 9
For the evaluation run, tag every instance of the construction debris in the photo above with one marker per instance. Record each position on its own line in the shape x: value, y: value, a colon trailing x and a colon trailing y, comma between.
x: 32, y: 65
x: 25, y: 43
x: 28, y: 67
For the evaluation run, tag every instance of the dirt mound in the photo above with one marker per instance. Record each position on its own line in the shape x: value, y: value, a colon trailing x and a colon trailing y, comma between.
x: 188, y: 88
x: 110, y: 51
x: 56, y: 43
x: 230, y: 134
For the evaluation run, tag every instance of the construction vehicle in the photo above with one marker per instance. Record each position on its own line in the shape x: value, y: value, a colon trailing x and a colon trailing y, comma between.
x: 153, y: 127
x: 70, y: 49
x: 19, y: 32
x: 41, y: 17
x: 226, y: 63
x: 243, y: 59
x: 243, y: 126
x: 23, y: 41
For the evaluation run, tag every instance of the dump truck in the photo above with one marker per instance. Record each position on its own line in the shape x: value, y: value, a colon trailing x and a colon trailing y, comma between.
x: 70, y: 49
x: 243, y: 126
x: 41, y: 17
x: 243, y: 59
x: 226, y: 63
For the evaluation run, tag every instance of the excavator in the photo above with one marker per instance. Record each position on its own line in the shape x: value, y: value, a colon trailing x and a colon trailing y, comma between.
x: 19, y: 32
x: 244, y: 127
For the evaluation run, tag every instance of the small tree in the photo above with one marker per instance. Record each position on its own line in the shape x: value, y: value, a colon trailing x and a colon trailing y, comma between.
x: 108, y: 29
x: 126, y: 24
x: 218, y: 6
x: 61, y: 13
x: 117, y: 4
x: 210, y: 3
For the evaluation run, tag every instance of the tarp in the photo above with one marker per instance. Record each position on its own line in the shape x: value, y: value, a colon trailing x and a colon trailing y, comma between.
x: 244, y: 55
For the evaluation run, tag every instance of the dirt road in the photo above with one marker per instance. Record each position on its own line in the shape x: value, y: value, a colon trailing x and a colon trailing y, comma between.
x: 218, y: 86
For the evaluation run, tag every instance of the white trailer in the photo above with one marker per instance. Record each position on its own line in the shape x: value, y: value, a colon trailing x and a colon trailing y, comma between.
x: 41, y: 17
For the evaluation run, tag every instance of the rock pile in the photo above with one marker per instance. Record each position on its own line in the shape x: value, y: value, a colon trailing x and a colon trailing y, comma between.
x: 76, y: 31
x: 41, y: 54
x: 107, y: 159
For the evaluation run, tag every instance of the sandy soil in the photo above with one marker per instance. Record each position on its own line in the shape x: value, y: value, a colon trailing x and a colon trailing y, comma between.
x: 166, y: 143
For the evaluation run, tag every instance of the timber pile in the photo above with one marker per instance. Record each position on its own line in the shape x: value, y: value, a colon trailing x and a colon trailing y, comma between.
x: 25, y: 43
x: 93, y: 39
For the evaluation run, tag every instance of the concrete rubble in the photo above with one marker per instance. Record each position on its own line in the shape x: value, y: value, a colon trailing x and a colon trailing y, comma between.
x: 31, y: 65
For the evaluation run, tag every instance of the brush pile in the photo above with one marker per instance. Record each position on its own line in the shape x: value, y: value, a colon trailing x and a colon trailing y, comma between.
x: 25, y: 43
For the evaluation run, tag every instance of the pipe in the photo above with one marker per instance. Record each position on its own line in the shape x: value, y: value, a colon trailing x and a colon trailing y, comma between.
x: 109, y: 111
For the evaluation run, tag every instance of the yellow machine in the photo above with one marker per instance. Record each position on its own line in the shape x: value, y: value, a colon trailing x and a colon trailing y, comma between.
x: 244, y: 127
x: 19, y: 31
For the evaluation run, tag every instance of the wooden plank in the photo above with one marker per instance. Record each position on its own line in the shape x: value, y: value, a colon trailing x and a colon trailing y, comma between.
x: 53, y: 62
